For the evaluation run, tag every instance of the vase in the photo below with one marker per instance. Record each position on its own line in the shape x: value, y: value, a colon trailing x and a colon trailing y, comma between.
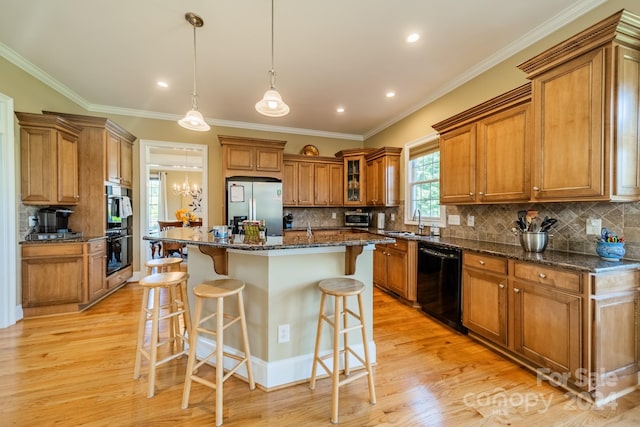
x: 610, y: 251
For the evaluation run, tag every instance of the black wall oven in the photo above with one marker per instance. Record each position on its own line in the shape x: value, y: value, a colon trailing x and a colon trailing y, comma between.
x: 119, y: 228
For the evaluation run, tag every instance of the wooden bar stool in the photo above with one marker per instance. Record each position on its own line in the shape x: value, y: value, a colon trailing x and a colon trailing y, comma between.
x: 341, y: 288
x: 175, y: 309
x: 218, y: 290
x: 162, y: 265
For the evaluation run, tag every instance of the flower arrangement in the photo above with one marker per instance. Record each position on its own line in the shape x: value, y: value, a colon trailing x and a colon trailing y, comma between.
x: 185, y: 216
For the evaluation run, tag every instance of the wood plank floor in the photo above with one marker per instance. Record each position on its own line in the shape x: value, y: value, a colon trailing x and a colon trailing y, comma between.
x: 76, y: 370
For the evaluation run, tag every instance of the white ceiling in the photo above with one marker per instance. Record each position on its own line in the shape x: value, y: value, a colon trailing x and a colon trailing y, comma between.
x: 107, y: 55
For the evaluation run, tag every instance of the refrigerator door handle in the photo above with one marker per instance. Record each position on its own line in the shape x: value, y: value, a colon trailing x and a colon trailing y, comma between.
x: 252, y: 209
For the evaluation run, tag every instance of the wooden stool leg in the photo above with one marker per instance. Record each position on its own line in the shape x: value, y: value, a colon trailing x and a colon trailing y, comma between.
x: 345, y: 335
x: 219, y: 360
x: 155, y: 316
x: 191, y: 361
x: 141, y: 327
x: 372, y: 390
x: 245, y: 341
x: 335, y: 375
x: 312, y: 384
x: 186, y: 315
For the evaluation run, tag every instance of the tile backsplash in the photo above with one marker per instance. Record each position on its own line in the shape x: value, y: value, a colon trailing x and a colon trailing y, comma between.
x: 493, y: 223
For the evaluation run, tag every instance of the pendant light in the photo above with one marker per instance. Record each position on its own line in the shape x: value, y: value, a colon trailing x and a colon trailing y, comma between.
x: 271, y: 104
x: 194, y: 120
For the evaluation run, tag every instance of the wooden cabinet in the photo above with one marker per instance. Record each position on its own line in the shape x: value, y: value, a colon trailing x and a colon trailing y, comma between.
x: 119, y: 168
x: 586, y: 106
x: 354, y: 180
x: 96, y: 268
x: 383, y: 177
x: 49, y: 160
x: 394, y: 268
x: 484, y: 290
x: 251, y: 157
x: 485, y: 151
x: 311, y: 181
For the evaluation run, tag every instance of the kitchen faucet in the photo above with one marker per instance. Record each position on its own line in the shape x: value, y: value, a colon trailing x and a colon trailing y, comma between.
x: 420, y: 224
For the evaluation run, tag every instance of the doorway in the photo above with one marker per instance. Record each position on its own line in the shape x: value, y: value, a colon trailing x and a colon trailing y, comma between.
x: 177, y: 162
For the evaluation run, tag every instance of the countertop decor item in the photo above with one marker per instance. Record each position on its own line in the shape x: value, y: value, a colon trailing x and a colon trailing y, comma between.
x: 610, y: 247
x: 309, y: 150
x: 534, y: 241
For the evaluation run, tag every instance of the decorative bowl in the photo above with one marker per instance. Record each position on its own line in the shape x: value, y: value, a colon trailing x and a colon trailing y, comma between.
x: 534, y: 241
x: 610, y: 251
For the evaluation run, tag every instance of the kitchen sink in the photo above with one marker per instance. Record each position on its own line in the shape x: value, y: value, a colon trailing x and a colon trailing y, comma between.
x: 399, y: 233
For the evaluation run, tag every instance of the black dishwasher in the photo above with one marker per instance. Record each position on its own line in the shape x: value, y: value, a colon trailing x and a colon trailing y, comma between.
x: 439, y: 283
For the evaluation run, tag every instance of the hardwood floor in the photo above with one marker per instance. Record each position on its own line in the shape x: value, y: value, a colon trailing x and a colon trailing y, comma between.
x: 77, y: 370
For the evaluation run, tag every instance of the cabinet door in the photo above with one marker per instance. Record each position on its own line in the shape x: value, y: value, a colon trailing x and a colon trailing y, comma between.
x: 376, y: 182
x: 321, y: 184
x: 568, y: 161
x: 268, y: 159
x: 290, y: 183
x: 239, y: 157
x: 38, y: 157
x: 503, y: 156
x: 305, y: 184
x: 113, y: 159
x: 96, y: 270
x: 547, y: 327
x: 126, y: 163
x: 484, y: 299
x: 336, y: 185
x: 52, y: 280
x: 354, y: 183
x: 397, y: 271
x: 391, y: 181
x: 458, y: 166
x: 380, y: 266
x: 67, y: 148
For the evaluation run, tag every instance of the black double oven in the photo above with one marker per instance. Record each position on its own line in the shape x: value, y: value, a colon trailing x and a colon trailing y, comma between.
x: 119, y: 228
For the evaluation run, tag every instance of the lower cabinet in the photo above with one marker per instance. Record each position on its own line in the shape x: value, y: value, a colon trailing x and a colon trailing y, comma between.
x: 394, y: 268
x: 580, y: 327
x: 63, y: 277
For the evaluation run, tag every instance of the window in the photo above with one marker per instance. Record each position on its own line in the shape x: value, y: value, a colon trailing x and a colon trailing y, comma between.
x: 153, y: 206
x: 422, y: 166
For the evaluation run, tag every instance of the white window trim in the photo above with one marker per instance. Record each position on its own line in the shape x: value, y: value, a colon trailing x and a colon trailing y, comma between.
x: 408, y: 214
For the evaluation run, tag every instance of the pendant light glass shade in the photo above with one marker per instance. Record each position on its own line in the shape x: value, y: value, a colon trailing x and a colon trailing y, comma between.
x: 194, y: 119
x: 271, y: 104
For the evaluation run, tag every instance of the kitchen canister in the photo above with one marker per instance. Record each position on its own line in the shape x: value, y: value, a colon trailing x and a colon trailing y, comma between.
x: 534, y: 241
x: 220, y: 231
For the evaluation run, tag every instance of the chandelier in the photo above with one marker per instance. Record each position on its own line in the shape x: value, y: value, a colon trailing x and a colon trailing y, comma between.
x: 271, y: 104
x: 185, y: 189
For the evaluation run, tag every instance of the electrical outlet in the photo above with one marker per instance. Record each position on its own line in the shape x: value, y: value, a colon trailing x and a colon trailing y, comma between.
x: 333, y: 215
x: 471, y: 220
x: 594, y: 226
x: 453, y: 219
x: 393, y: 217
x: 283, y: 333
x: 33, y: 221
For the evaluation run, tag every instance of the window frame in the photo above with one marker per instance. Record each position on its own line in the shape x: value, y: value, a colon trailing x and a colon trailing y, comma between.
x: 428, y: 140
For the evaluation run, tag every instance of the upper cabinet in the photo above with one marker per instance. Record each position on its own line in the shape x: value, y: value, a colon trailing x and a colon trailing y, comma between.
x: 119, y: 156
x: 383, y: 177
x: 49, y: 160
x: 251, y: 156
x: 484, y: 151
x: 311, y: 181
x: 586, y: 104
x: 354, y: 165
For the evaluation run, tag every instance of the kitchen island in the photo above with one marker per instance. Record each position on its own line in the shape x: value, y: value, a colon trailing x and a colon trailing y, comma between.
x: 281, y: 293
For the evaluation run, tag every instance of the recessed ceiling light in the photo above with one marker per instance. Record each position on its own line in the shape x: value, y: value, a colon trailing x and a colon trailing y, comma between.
x: 390, y: 94
x: 340, y: 109
x: 412, y: 38
x: 162, y: 84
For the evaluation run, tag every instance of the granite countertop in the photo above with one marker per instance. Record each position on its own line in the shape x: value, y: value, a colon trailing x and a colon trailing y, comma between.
x: 198, y: 236
x: 83, y: 239
x: 573, y: 261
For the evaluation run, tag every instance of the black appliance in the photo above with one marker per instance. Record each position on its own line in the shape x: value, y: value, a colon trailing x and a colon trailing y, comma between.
x: 119, y: 228
x: 440, y: 284
x: 236, y: 223
x: 51, y: 220
x: 287, y: 221
x: 357, y: 219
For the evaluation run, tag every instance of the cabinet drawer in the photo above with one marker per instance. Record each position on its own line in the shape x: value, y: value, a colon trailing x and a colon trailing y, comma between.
x: 119, y: 277
x: 400, y: 245
x: 623, y: 281
x: 98, y: 246
x: 569, y: 280
x: 51, y: 249
x: 485, y: 262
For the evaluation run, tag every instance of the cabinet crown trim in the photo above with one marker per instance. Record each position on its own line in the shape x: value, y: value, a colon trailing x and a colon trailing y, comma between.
x: 239, y: 140
x: 38, y: 120
x: 95, y: 122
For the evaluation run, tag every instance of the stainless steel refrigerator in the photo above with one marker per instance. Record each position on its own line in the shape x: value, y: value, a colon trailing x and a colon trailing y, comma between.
x: 257, y: 199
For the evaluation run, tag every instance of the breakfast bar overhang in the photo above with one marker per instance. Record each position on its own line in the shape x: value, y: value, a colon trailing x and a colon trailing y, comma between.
x: 281, y: 276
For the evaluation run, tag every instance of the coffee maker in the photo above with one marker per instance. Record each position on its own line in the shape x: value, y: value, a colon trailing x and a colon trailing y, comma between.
x: 287, y: 221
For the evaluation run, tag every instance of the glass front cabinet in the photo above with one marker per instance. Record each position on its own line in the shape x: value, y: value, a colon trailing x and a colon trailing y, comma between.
x: 354, y: 179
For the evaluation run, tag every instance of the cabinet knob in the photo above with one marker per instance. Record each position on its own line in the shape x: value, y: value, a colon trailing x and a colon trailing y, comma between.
x: 516, y: 290
x: 481, y: 193
x: 536, y: 188
x: 481, y: 262
x: 388, y: 254
x: 501, y: 285
x: 470, y: 194
x: 542, y: 275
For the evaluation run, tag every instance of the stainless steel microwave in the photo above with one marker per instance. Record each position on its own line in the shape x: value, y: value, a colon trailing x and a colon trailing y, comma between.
x: 357, y: 219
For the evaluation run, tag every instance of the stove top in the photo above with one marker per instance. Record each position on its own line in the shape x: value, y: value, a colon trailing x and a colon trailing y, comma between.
x: 54, y: 236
